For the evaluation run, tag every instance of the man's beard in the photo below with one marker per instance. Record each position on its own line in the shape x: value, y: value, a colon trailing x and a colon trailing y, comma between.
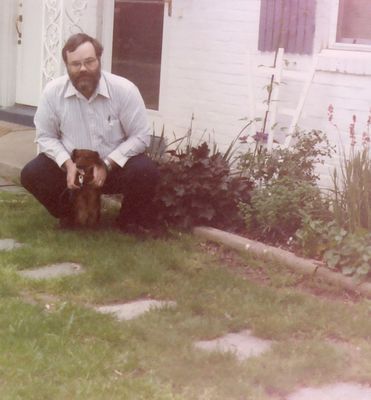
x: 86, y: 82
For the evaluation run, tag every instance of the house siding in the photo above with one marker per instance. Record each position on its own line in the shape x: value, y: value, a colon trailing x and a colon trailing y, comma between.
x: 205, y: 72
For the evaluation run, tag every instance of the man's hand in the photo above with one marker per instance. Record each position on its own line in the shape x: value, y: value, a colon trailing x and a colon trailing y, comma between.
x: 100, y: 175
x: 71, y: 170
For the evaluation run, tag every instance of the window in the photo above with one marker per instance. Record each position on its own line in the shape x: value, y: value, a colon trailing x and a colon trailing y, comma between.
x: 353, y: 22
x: 137, y: 46
x: 287, y: 23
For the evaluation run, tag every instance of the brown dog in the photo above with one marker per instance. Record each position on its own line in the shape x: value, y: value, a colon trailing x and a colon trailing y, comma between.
x: 86, y: 200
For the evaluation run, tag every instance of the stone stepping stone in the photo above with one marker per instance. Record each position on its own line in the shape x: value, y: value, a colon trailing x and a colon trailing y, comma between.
x: 9, y: 244
x: 128, y: 311
x: 337, y: 391
x: 53, y: 271
x: 242, y: 344
x: 13, y: 189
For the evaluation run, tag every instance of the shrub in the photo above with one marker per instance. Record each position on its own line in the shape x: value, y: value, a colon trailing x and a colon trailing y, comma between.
x: 197, y: 187
x: 298, y: 161
x: 277, y: 210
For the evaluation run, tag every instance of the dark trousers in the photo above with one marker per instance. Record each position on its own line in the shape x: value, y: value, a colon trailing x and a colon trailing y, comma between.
x: 136, y: 181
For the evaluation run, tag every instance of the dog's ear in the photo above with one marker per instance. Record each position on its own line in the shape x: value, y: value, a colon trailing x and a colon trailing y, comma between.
x: 96, y: 156
x: 73, y: 155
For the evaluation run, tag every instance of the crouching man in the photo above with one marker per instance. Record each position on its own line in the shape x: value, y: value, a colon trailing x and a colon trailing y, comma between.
x: 95, y: 110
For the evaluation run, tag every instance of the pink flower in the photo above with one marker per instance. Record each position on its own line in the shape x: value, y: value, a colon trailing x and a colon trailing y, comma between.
x: 330, y: 112
x: 365, y: 139
x: 352, y: 131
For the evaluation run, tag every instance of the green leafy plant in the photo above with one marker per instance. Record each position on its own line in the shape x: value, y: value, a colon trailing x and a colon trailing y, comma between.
x: 351, y: 255
x: 277, y: 210
x: 316, y: 236
x: 197, y: 187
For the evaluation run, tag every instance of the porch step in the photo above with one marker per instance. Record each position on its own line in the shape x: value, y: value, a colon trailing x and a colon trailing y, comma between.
x: 18, y: 114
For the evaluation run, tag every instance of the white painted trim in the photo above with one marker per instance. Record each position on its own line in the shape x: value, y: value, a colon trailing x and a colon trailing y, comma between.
x: 345, y: 61
x: 301, y: 102
x: 333, y: 22
x: 156, y: 118
x: 164, y: 59
x: 108, y: 9
x: 277, y: 81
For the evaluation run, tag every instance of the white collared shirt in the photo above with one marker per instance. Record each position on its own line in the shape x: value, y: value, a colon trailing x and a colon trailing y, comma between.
x: 112, y: 122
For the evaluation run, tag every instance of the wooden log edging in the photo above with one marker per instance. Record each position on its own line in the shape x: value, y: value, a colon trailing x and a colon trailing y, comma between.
x: 270, y: 253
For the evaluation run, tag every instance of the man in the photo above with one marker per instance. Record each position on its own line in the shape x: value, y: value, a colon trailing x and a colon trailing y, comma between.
x: 92, y: 109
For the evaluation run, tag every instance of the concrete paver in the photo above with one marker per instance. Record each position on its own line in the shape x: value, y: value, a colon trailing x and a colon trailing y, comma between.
x: 16, y: 149
x: 337, y: 391
x: 242, y: 344
x: 7, y: 127
x: 134, y: 309
x: 53, y: 271
x: 9, y: 244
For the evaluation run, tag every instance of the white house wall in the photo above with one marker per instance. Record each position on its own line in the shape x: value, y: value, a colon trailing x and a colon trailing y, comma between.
x: 206, y: 66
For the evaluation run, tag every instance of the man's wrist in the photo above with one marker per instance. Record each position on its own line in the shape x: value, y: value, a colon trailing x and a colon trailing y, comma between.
x: 68, y: 163
x: 108, y: 164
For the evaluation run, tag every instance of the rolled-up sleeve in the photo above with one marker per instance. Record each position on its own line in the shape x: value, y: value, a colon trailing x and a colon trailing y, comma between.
x: 134, y: 121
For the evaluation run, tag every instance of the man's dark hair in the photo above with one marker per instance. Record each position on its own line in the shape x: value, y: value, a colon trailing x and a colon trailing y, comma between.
x: 76, y: 40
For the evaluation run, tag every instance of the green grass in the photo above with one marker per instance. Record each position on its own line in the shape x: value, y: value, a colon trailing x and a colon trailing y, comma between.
x: 53, y: 345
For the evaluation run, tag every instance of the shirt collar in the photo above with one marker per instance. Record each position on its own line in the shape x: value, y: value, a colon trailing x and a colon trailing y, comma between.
x: 102, y: 89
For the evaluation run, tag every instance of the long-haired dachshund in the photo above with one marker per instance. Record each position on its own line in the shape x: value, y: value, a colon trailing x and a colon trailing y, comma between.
x: 86, y: 202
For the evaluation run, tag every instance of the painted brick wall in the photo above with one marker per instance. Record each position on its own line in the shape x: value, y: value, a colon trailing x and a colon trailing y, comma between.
x: 205, y: 66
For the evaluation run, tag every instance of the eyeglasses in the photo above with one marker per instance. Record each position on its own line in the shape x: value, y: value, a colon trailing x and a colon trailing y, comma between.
x: 89, y: 63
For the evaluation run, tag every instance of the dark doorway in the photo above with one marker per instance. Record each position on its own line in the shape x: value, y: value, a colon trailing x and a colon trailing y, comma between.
x: 137, y: 46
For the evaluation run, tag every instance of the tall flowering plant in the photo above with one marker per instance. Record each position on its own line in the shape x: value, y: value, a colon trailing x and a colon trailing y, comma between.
x: 352, y: 182
x: 352, y: 127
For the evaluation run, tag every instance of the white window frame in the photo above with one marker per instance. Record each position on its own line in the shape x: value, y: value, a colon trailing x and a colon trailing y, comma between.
x: 333, y: 44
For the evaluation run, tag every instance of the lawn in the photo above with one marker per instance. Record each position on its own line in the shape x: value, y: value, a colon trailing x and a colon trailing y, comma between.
x: 53, y: 345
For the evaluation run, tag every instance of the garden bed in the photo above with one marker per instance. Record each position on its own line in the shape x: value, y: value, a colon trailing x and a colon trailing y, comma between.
x: 298, y: 264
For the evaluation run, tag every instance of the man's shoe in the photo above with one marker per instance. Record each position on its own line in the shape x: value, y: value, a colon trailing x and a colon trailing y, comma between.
x: 65, y: 223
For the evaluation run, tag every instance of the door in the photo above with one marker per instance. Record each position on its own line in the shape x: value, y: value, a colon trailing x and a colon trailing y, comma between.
x: 29, y: 51
x: 137, y: 45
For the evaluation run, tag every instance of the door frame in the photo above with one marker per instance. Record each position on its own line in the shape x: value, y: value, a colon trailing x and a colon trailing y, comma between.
x: 8, y: 45
x: 108, y: 11
x: 29, y: 52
